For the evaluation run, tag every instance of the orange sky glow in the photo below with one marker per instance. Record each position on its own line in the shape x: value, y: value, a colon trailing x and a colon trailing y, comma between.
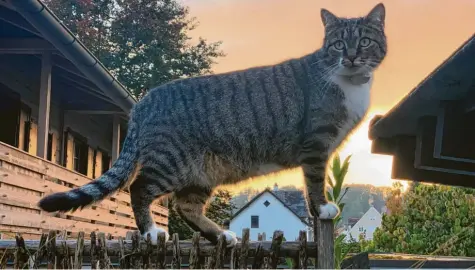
x: 421, y: 34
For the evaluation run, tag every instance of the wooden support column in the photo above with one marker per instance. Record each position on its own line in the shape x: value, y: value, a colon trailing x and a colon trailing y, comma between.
x: 44, y: 108
x: 324, y: 237
x: 115, y: 138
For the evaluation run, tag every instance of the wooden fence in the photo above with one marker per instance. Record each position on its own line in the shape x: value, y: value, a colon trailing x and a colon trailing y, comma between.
x: 25, y: 179
x: 100, y: 252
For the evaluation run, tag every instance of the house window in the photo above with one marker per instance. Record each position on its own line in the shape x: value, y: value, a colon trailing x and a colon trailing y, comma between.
x: 361, y: 229
x: 266, y: 203
x: 254, y: 221
x: 80, y: 156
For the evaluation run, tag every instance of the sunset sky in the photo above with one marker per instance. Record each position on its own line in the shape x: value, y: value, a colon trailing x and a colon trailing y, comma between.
x: 421, y: 34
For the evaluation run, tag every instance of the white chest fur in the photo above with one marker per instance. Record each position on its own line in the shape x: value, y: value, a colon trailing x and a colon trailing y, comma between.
x: 357, y: 98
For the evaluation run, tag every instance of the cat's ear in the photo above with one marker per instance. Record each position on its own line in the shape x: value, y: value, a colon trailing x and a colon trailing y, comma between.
x: 328, y: 17
x: 377, y: 14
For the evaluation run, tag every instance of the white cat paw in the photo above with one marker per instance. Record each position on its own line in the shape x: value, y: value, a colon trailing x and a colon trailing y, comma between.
x: 328, y: 211
x: 154, y: 231
x: 231, y: 239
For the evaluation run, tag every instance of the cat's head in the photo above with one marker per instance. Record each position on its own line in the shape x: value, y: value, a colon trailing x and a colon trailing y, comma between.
x: 354, y: 45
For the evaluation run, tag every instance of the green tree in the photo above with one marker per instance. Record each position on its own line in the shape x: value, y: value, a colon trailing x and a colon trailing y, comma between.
x: 219, y: 209
x: 433, y: 219
x: 175, y: 223
x: 144, y: 43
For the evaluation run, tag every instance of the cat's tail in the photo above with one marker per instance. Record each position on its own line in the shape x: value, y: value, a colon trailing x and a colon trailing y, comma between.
x: 123, y: 169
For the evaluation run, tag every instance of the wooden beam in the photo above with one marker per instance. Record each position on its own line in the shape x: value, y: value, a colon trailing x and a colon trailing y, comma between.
x: 87, y: 91
x: 44, y: 106
x: 25, y: 46
x: 7, y: 4
x: 12, y: 17
x: 115, y: 137
x: 96, y: 112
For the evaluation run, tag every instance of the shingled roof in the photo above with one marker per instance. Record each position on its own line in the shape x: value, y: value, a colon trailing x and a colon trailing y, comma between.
x: 293, y: 200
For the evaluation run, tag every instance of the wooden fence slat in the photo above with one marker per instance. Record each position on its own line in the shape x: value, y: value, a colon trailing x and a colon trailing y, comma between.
x: 135, y: 257
x: 244, y: 252
x: 123, y: 259
x: 176, y: 261
x: 234, y: 258
x: 51, y: 250
x: 161, y: 250
x: 93, y: 252
x: 146, y: 258
x: 258, y: 257
x: 303, y: 257
x: 41, y: 252
x: 325, y: 241
x: 275, y: 249
x: 78, y: 251
x: 65, y: 257
x: 217, y: 258
x: 195, y: 251
x: 102, y: 252
x: 21, y: 254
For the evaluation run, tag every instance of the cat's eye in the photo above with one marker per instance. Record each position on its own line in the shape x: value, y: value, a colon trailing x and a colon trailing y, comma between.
x: 365, y: 42
x: 339, y: 45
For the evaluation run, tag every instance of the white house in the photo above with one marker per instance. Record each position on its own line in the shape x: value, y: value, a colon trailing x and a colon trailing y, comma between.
x: 365, y: 226
x: 266, y: 213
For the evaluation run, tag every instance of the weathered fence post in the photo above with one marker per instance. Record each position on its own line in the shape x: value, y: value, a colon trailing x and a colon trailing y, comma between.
x: 195, y: 251
x: 244, y: 249
x: 302, y: 262
x: 147, y: 254
x: 51, y: 250
x: 21, y: 254
x: 161, y: 250
x: 78, y: 251
x: 323, y: 230
x: 93, y: 251
x: 103, y: 258
x: 176, y: 261
x: 135, y: 257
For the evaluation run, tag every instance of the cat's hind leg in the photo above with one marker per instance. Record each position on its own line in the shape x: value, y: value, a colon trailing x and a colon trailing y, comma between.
x: 143, y: 191
x: 190, y: 203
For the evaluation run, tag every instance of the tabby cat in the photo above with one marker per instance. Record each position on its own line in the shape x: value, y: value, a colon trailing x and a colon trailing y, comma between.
x: 189, y: 136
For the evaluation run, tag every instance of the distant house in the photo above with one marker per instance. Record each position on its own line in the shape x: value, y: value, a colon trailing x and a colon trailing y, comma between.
x: 62, y: 117
x: 365, y: 226
x: 270, y: 211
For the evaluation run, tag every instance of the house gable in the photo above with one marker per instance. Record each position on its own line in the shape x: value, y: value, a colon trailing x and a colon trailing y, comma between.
x: 272, y: 215
x: 368, y: 223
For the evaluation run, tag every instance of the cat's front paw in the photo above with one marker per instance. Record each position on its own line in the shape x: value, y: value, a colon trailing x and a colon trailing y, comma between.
x: 328, y: 211
x: 154, y: 231
x: 231, y: 239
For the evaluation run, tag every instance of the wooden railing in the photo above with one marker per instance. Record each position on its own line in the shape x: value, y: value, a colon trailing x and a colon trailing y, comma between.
x: 25, y: 179
x: 99, y: 252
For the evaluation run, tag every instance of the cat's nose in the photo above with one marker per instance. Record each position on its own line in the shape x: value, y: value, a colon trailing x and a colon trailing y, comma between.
x: 349, y: 61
